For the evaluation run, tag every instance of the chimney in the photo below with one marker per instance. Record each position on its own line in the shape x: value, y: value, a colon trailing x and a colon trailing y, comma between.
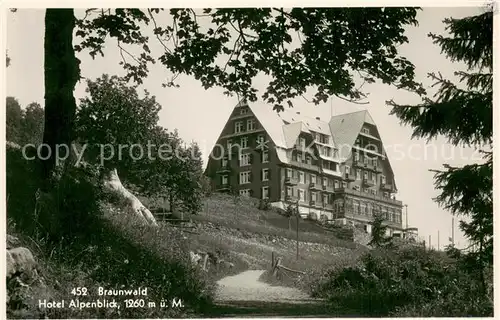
x: 318, y: 118
x: 298, y: 112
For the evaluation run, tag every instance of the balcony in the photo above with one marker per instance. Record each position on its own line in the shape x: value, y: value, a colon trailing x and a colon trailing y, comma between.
x: 224, y: 187
x: 290, y: 181
x: 369, y: 196
x: 328, y: 189
x: 387, y: 187
x: 224, y: 169
x: 316, y: 204
x: 349, y: 178
x: 314, y: 186
x: 304, y: 149
x: 369, y: 183
x: 310, y: 167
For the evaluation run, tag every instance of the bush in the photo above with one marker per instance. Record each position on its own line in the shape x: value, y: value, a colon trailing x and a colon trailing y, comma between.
x: 405, y: 282
x: 87, y: 242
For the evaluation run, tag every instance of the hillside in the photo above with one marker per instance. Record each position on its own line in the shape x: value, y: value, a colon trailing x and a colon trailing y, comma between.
x: 248, y: 237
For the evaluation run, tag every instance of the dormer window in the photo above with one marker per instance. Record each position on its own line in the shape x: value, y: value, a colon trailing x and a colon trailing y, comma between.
x: 243, y: 110
x: 366, y: 130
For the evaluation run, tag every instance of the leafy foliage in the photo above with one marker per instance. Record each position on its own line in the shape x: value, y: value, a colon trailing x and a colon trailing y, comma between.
x: 406, y: 282
x: 379, y: 229
x: 463, y: 114
x: 324, y: 48
x: 119, y: 129
x: 24, y: 126
x: 14, y: 118
x: 111, y: 115
x: 33, y: 123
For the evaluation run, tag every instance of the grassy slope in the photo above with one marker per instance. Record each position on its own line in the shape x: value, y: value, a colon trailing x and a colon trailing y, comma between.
x: 250, y: 236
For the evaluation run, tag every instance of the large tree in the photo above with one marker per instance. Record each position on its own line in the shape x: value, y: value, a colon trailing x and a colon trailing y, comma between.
x: 114, y: 125
x: 463, y: 113
x: 298, y: 48
x: 318, y: 51
x: 14, y: 118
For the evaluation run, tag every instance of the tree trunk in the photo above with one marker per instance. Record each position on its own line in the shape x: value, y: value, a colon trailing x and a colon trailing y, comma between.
x: 112, y: 183
x: 62, y: 71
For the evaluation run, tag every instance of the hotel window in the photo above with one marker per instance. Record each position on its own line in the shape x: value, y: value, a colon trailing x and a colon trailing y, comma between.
x: 382, y: 179
x: 302, y: 177
x: 244, y: 142
x: 244, y: 111
x: 347, y: 170
x: 260, y: 139
x: 265, y: 174
x: 265, y: 156
x: 302, y: 142
x: 238, y: 126
x: 225, y: 180
x: 289, y: 173
x: 301, y: 195
x: 250, y: 124
x: 313, y: 196
x: 356, y: 156
x: 374, y: 162
x: 309, y: 160
x: 313, y: 178
x: 265, y: 192
x: 363, y: 208
x: 365, y: 175
x: 336, y: 184
x: 294, y: 157
x: 224, y: 162
x: 244, y: 159
x: 356, y: 206
x: 358, y: 174
x: 325, y: 181
x: 245, y: 177
x: 245, y: 192
x: 325, y: 199
x: 344, y: 184
x: 289, y: 191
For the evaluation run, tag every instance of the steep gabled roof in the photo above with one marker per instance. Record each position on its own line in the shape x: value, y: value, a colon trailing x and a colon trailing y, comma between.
x: 292, y: 131
x: 345, y: 129
x: 270, y: 121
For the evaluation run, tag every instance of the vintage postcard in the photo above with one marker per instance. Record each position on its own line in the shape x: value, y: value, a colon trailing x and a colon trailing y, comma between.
x: 247, y: 161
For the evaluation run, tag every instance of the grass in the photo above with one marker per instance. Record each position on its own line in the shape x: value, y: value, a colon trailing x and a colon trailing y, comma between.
x: 243, y: 214
x: 251, y: 236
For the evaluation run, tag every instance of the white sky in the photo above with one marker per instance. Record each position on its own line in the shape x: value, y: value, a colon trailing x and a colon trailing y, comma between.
x: 200, y: 114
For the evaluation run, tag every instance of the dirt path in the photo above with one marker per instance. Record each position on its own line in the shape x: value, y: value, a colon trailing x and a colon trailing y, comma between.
x: 244, y: 295
x: 247, y: 287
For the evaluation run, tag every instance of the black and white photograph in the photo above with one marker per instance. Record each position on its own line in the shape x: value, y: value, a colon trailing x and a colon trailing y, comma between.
x: 232, y: 160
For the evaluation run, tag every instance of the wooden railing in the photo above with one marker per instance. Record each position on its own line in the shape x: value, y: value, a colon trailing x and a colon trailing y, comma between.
x: 278, y: 269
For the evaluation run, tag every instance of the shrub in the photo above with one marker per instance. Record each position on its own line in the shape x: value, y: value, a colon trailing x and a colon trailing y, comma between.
x: 85, y: 241
x: 399, y: 281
